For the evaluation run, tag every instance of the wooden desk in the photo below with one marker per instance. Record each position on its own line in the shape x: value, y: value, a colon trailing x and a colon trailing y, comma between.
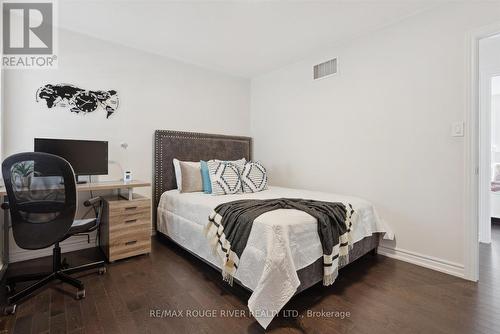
x: 124, y: 189
x: 114, y: 185
x: 104, y: 185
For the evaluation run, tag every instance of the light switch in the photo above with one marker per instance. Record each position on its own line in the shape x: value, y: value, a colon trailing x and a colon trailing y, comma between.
x: 457, y: 129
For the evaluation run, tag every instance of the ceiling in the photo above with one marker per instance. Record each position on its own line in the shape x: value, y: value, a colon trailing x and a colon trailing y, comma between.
x: 242, y: 38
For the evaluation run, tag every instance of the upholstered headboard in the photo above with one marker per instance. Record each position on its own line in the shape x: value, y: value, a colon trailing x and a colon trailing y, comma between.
x: 190, y: 146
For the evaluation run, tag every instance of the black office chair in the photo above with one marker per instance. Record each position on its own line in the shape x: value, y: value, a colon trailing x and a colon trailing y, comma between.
x: 42, y: 200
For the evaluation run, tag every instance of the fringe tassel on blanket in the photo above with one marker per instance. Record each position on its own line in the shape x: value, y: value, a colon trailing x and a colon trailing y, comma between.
x: 330, y: 278
x: 331, y: 264
x: 221, y: 247
x: 210, y: 232
x: 227, y: 277
x: 340, y: 252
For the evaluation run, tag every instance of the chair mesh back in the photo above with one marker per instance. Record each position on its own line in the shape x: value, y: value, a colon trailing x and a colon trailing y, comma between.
x: 42, y: 198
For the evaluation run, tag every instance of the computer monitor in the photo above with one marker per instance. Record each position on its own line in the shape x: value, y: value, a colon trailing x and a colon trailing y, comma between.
x: 87, y: 157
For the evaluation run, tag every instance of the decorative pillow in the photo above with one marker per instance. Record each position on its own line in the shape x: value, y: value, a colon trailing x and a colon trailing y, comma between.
x: 254, y: 177
x: 178, y: 171
x: 191, y: 177
x: 225, y: 177
x: 240, y: 163
x: 205, y: 178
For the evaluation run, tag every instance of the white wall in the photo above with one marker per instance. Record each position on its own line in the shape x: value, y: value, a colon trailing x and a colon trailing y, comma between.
x: 155, y: 93
x: 381, y: 129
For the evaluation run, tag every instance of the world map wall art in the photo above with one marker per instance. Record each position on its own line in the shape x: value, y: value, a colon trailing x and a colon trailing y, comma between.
x: 78, y: 100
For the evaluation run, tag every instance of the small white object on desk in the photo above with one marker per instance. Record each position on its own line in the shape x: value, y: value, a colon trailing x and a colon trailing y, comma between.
x: 127, y: 176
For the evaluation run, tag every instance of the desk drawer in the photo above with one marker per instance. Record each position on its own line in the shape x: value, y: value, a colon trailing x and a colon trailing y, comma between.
x: 129, y: 220
x: 129, y: 215
x: 129, y: 208
x: 126, y: 228
x: 129, y: 227
x: 130, y: 245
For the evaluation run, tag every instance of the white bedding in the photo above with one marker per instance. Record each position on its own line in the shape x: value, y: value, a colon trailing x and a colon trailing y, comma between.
x: 281, y: 241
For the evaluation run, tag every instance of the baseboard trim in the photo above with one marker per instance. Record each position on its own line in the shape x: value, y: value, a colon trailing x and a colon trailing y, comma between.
x: 69, y: 245
x: 447, y: 267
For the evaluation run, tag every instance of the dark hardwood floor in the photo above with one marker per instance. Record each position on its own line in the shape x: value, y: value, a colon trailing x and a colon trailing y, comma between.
x: 382, y: 295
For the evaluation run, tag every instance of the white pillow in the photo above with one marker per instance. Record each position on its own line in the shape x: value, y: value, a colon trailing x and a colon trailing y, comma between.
x: 177, y: 170
x: 254, y: 177
x: 178, y: 173
x: 225, y: 176
x: 239, y: 163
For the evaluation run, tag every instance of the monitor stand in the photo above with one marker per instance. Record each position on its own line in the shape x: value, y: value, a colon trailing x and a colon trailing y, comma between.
x: 78, y: 181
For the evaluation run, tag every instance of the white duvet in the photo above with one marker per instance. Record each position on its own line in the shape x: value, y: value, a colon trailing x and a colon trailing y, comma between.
x: 281, y: 242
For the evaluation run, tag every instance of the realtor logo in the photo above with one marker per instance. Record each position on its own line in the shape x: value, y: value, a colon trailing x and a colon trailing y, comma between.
x: 28, y: 34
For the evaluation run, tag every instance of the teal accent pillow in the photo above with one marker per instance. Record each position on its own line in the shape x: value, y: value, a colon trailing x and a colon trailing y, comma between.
x: 205, y: 178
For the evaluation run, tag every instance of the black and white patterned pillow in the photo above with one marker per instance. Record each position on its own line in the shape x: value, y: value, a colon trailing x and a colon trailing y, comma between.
x: 254, y: 177
x: 225, y: 177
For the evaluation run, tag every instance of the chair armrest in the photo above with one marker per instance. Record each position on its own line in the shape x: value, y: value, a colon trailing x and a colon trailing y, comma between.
x: 97, y: 210
x: 93, y: 201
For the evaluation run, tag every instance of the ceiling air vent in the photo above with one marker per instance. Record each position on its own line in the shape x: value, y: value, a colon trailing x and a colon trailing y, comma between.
x: 325, y: 69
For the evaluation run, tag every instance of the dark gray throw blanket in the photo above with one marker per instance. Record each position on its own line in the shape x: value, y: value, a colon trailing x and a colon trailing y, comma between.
x: 230, y: 225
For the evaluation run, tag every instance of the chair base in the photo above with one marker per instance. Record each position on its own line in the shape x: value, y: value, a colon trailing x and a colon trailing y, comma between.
x: 45, y: 278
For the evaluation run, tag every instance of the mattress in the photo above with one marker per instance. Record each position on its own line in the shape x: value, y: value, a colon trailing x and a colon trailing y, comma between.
x: 282, y: 242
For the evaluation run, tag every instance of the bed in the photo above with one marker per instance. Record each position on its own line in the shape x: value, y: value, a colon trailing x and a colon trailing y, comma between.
x: 283, y: 255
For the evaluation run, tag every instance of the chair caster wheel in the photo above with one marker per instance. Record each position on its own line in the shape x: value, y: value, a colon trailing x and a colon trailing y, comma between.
x: 80, y: 294
x: 10, y: 309
x: 102, y: 271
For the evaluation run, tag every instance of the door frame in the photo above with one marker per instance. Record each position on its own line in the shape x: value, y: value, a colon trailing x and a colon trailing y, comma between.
x: 472, y: 151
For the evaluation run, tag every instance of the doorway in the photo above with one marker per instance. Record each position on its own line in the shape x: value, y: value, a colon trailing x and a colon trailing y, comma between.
x: 489, y: 155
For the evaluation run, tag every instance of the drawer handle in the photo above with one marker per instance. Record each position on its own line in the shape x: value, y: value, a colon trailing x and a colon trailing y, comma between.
x: 128, y: 243
x: 131, y: 208
x: 130, y: 221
